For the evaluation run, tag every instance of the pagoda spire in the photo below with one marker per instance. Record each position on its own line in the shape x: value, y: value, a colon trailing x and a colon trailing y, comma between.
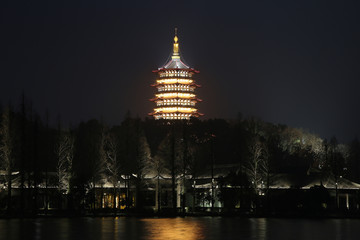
x: 176, y: 54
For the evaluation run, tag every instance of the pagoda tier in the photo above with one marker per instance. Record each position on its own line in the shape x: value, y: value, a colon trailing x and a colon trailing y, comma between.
x: 181, y: 85
x: 175, y: 97
x: 175, y: 101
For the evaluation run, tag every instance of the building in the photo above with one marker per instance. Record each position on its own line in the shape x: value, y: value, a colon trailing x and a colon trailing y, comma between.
x: 300, y: 193
x: 175, y: 97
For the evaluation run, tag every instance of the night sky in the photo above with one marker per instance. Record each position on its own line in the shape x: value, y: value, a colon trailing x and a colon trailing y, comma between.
x: 289, y: 62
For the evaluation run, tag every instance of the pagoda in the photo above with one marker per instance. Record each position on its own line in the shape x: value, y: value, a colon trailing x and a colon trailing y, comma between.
x: 175, y: 98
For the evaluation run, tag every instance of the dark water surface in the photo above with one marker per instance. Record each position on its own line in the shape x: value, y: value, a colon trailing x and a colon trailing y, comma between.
x: 189, y: 228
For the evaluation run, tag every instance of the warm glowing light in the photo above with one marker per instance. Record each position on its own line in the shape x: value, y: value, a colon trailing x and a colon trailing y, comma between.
x: 175, y: 109
x: 176, y: 73
x: 176, y: 87
x: 174, y: 80
x: 176, y: 48
x: 173, y: 228
x: 175, y: 95
x: 175, y: 102
x: 172, y: 116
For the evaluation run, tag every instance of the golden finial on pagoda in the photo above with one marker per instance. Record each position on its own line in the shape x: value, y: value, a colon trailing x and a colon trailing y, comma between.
x: 176, y: 38
x: 176, y: 46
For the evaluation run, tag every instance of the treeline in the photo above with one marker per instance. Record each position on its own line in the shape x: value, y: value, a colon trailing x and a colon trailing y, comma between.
x: 76, y: 159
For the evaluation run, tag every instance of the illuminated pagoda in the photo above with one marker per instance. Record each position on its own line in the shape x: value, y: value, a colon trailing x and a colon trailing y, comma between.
x: 175, y: 97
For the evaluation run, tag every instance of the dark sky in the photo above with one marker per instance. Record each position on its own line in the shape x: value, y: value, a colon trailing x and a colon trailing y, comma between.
x: 289, y: 62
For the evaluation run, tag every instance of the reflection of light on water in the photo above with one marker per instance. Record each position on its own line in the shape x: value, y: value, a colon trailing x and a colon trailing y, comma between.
x: 38, y: 226
x: 173, y: 229
x: 259, y: 228
x: 116, y: 228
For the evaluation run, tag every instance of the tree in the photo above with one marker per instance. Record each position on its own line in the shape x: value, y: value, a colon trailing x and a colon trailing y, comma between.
x: 6, y: 149
x: 174, y: 162
x: 65, y: 155
x: 185, y: 162
x: 112, y: 165
x: 354, y: 160
x: 231, y: 187
x: 143, y: 156
x: 336, y: 165
x: 100, y: 165
x: 157, y: 166
x: 171, y: 154
x: 47, y: 147
x: 89, y: 159
x: 198, y: 155
x: 23, y: 152
x: 257, y: 165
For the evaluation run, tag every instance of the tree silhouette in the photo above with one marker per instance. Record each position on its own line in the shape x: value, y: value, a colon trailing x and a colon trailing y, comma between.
x: 65, y: 155
x: 354, y: 160
x: 112, y: 163
x: 6, y: 153
x: 157, y: 167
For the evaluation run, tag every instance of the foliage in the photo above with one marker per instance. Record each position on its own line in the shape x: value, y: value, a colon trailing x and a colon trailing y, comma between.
x: 91, y: 153
x: 6, y: 145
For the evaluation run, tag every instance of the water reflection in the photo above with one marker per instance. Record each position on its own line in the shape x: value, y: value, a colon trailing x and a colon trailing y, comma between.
x: 189, y: 228
x: 37, y: 228
x: 173, y: 229
x: 259, y: 228
x: 116, y: 228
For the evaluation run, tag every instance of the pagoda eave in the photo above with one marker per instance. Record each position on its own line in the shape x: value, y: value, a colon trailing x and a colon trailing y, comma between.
x: 161, y: 84
x: 193, y: 100
x: 176, y: 112
x: 161, y: 98
x: 171, y: 69
x: 194, y: 111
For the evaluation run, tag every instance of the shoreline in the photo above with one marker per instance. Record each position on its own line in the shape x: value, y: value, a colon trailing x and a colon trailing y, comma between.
x: 327, y: 215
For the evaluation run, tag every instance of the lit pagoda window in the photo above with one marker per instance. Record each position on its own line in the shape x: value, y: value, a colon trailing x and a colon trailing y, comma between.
x: 175, y: 98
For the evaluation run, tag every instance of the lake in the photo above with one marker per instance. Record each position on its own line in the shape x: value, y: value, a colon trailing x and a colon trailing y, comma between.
x: 189, y: 228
